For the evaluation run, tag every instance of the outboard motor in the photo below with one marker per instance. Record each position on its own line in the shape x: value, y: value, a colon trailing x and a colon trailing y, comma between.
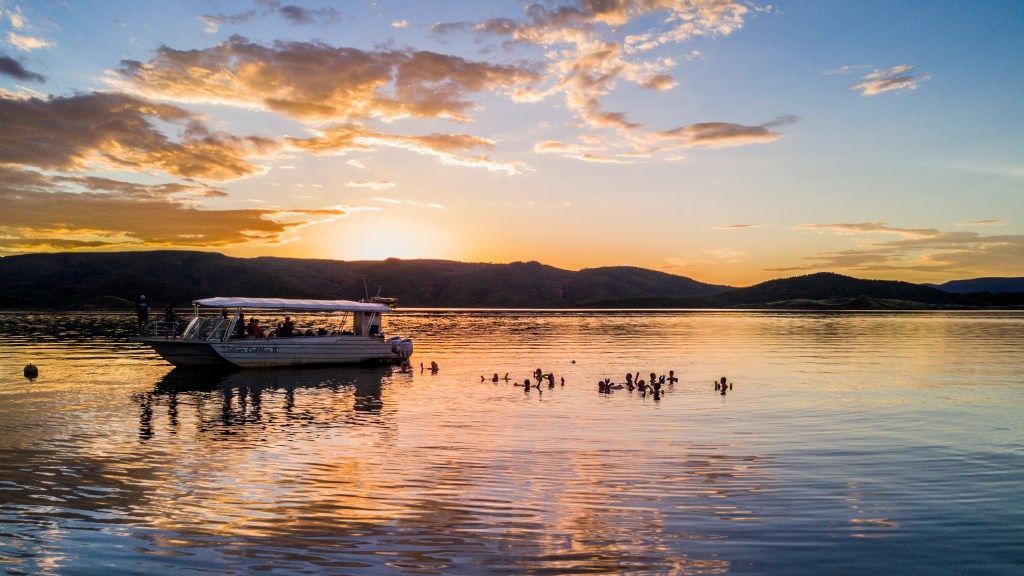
x: 401, y: 346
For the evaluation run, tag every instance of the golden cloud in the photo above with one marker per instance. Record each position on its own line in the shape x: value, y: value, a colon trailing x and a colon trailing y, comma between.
x: 27, y: 43
x: 453, y: 149
x: 43, y: 212
x: 316, y: 81
x: 74, y: 132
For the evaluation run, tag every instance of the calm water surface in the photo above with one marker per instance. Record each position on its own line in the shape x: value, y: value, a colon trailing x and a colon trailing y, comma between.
x: 850, y: 444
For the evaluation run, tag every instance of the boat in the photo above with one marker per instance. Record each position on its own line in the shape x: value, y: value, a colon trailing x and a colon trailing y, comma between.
x: 212, y: 336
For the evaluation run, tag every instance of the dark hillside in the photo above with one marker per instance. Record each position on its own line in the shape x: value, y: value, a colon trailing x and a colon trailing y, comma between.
x: 829, y: 285
x: 81, y: 279
x: 991, y: 285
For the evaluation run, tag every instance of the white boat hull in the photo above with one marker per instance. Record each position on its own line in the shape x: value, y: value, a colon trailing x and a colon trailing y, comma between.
x: 275, y: 352
x: 312, y: 351
x: 185, y: 353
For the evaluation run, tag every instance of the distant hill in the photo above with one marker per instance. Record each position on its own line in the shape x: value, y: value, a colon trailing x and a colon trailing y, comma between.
x: 829, y: 286
x: 829, y: 291
x: 83, y: 279
x: 993, y: 285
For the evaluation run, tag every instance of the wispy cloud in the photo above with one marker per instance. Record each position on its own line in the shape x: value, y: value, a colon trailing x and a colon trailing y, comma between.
x: 737, y: 226
x: 377, y: 185
x: 215, y: 21
x: 698, y: 261
x: 451, y: 149
x: 400, y: 23
x: 291, y: 13
x: 416, y: 203
x: 915, y: 249
x: 983, y: 222
x: 896, y: 79
x: 723, y: 135
x: 846, y: 69
x: 588, y: 53
x: 304, y: 16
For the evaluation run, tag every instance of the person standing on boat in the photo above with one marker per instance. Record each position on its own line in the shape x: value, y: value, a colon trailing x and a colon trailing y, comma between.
x: 142, y: 309
x: 240, y: 325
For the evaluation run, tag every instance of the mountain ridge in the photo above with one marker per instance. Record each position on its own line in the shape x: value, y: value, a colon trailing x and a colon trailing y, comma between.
x: 77, y: 280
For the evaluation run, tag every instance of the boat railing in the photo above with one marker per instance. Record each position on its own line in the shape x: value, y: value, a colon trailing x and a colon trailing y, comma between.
x: 162, y: 329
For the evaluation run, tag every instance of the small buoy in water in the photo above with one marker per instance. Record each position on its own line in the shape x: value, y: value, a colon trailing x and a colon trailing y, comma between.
x: 31, y: 371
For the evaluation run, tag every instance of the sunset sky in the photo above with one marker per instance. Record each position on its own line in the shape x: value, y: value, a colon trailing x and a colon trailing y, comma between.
x: 727, y: 141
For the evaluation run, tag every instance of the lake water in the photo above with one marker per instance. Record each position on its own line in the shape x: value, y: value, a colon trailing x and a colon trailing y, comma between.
x: 851, y: 443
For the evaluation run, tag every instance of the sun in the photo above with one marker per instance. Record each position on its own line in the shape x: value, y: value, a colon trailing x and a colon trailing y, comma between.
x: 379, y: 238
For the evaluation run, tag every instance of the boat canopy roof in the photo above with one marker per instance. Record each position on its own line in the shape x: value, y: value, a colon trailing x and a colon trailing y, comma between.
x: 289, y: 304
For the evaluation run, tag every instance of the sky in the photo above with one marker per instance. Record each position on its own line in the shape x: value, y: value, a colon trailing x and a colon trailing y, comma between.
x: 728, y: 141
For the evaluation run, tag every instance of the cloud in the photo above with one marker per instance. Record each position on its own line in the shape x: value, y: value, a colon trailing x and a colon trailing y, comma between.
x: 845, y: 69
x: 356, y: 164
x: 316, y: 81
x: 17, y: 20
x: 304, y: 16
x: 120, y: 131
x: 27, y: 43
x: 737, y: 226
x: 895, y: 79
x: 400, y: 23
x: 452, y: 149
x: 724, y: 134
x: 11, y: 67
x: 416, y: 203
x: 646, y: 145
x: 915, y: 249
x: 377, y: 185
x: 983, y: 222
x: 578, y: 152
x: 702, y: 260
x: 290, y: 12
x: 46, y: 212
x: 591, y: 46
x: 215, y: 21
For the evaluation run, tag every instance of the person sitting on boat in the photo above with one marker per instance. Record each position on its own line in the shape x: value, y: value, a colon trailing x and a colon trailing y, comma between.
x: 287, y: 328
x: 169, y: 316
x: 254, y: 329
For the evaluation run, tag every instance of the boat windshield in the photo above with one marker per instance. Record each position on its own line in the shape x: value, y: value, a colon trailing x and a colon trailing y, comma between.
x: 280, y: 324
